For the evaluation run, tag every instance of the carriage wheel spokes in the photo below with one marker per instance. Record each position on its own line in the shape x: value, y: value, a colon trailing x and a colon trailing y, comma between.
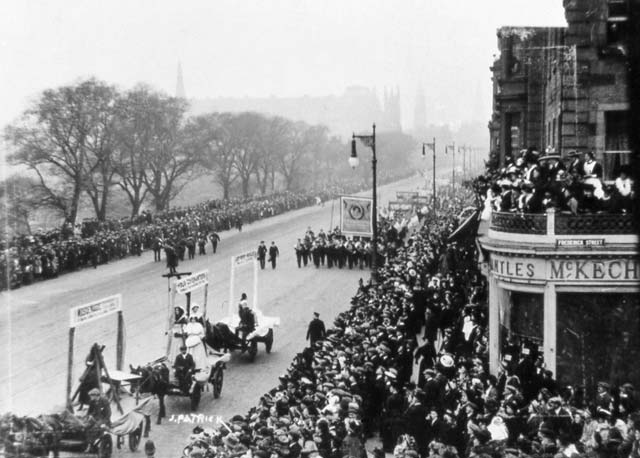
x: 217, y: 380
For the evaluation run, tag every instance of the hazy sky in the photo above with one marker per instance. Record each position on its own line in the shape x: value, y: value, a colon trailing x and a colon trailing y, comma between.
x: 263, y: 47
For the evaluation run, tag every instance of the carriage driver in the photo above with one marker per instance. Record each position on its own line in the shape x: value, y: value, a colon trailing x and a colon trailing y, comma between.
x: 184, y: 365
x: 98, y: 414
x: 247, y: 320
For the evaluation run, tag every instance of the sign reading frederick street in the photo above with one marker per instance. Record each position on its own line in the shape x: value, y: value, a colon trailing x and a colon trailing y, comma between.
x: 192, y: 282
x: 92, y: 311
x: 562, y: 270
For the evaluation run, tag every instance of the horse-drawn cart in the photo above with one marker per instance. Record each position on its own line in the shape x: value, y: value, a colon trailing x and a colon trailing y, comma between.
x: 67, y: 433
x: 224, y: 334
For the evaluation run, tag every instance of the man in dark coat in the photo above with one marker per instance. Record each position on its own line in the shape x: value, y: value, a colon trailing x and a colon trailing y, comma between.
x: 316, y: 330
x: 273, y: 254
x: 262, y: 254
x: 215, y: 238
x: 183, y: 365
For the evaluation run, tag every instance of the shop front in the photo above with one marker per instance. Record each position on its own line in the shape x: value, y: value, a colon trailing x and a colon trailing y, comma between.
x: 578, y: 313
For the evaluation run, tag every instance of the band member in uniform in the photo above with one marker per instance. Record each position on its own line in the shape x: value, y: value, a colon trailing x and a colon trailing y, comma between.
x: 273, y: 254
x: 262, y: 254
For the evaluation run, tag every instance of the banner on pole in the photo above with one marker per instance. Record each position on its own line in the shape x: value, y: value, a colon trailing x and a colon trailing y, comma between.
x: 245, y: 258
x: 406, y: 195
x: 356, y: 216
x: 97, y: 309
x: 192, y: 282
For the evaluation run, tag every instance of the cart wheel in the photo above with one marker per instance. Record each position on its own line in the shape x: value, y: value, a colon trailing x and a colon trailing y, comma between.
x: 216, y: 381
x: 105, y: 446
x: 253, y: 350
x: 195, y: 396
x: 134, y: 438
x: 268, y: 344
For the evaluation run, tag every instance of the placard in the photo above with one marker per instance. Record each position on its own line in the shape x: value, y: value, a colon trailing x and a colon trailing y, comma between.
x: 245, y: 258
x: 192, y: 282
x: 356, y: 215
x: 93, y: 310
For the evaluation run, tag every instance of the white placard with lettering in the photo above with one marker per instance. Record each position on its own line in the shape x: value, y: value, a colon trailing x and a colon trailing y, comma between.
x: 92, y: 311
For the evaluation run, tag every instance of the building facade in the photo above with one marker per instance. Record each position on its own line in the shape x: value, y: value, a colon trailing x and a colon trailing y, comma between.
x: 565, y: 88
x: 564, y: 288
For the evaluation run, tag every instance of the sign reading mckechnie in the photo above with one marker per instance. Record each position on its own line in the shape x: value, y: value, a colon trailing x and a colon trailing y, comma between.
x: 356, y: 216
x: 92, y: 311
x: 192, y: 282
x: 613, y: 270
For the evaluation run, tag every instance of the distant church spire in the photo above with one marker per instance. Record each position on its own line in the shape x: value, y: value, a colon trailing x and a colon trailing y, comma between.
x: 180, y: 84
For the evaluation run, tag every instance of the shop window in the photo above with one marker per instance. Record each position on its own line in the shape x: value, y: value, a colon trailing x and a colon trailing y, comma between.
x: 521, y: 321
x: 598, y: 339
x: 617, y: 151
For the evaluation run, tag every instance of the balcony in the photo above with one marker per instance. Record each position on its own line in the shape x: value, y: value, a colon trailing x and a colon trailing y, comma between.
x: 552, y: 228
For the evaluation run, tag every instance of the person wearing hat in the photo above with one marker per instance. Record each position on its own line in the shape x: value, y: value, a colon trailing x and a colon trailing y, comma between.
x: 273, y: 254
x: 316, y: 330
x: 183, y: 367
x: 262, y: 254
x: 149, y: 449
x: 576, y: 166
x: 99, y: 408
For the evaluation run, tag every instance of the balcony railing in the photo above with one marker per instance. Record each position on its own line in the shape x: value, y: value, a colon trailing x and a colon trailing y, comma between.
x: 520, y: 223
x: 553, y: 223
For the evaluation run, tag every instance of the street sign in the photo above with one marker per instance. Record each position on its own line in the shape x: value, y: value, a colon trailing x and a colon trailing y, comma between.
x: 92, y: 311
x: 579, y: 242
x: 192, y: 282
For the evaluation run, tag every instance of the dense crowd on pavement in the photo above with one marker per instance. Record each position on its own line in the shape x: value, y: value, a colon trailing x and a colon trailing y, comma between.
x: 534, y: 183
x: 428, y: 308
x: 28, y: 258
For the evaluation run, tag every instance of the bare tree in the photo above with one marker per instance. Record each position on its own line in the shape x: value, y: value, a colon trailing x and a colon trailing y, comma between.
x: 52, y: 140
x: 272, y: 144
x: 245, y: 139
x: 20, y: 197
x: 302, y: 142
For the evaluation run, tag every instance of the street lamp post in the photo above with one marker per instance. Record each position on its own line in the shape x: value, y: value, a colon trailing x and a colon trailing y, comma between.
x: 453, y: 166
x: 433, y: 149
x: 370, y: 141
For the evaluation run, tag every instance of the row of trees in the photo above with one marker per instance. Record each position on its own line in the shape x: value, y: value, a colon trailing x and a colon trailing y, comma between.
x: 92, y: 139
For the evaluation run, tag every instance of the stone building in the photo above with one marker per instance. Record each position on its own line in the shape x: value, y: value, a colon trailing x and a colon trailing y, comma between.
x: 563, y: 288
x: 565, y: 88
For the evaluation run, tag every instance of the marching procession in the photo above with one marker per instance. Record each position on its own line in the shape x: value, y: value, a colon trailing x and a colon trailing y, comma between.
x: 375, y: 233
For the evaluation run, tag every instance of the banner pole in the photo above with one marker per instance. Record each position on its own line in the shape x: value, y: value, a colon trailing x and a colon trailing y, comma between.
x: 255, y: 284
x: 231, y: 280
x: 72, y: 331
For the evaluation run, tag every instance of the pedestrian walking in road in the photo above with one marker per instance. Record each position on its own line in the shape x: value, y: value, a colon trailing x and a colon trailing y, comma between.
x: 215, y: 238
x: 262, y: 254
x: 273, y: 254
x: 172, y: 258
x: 299, y: 249
x: 316, y: 330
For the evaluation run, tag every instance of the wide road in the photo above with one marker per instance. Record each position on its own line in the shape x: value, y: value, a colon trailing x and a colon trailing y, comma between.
x: 35, y: 319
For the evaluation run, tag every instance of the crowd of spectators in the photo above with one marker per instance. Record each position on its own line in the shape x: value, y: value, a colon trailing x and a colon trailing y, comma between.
x: 428, y: 308
x: 27, y: 258
x: 534, y: 183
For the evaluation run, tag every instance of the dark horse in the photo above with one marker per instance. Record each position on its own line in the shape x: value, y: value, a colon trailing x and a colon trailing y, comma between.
x: 154, y: 379
x: 219, y: 337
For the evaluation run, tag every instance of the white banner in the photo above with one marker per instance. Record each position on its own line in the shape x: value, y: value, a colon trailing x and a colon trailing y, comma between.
x: 245, y: 258
x: 94, y: 310
x: 192, y: 282
x: 356, y: 216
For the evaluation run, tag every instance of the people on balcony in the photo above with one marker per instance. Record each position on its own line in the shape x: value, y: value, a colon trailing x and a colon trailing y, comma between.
x: 537, y: 183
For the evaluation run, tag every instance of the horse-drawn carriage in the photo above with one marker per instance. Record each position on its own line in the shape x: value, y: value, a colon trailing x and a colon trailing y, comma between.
x: 65, y: 432
x: 185, y: 329
x: 224, y: 335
